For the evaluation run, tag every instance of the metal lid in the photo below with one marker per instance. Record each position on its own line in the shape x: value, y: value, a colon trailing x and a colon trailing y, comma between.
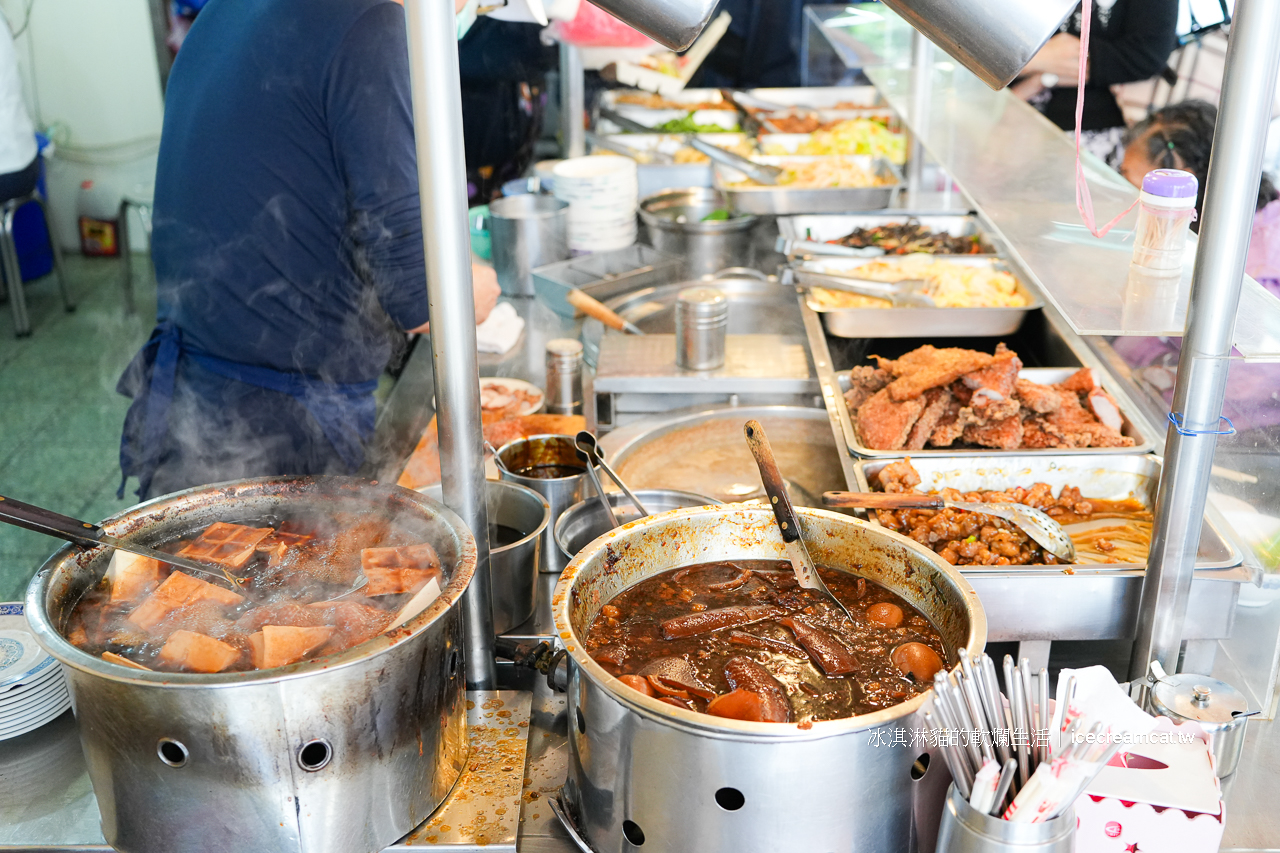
x: 564, y: 347
x: 1170, y: 183
x: 702, y: 301
x: 1212, y: 703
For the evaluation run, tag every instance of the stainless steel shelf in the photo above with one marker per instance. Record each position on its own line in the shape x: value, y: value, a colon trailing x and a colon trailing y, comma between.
x: 1019, y: 170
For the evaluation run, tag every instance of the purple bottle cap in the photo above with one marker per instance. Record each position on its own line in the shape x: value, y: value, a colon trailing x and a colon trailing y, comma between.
x: 1170, y: 183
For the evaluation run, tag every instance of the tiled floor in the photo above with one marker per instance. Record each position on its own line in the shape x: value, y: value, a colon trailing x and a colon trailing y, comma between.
x: 60, y: 416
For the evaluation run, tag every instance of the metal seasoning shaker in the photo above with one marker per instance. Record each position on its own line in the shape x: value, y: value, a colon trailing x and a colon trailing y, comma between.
x: 564, y: 376
x: 702, y: 315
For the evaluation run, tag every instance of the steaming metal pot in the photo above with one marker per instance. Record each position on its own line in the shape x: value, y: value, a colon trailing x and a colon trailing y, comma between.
x: 340, y: 754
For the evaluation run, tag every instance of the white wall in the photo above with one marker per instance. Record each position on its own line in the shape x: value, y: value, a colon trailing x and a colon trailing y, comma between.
x: 91, y: 77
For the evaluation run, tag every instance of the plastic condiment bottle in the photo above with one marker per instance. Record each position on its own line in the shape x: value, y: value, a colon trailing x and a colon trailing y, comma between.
x: 98, y: 220
x: 1167, y: 206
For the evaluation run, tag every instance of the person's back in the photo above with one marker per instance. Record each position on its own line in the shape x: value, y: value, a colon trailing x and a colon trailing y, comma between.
x: 285, y: 176
x: 17, y: 135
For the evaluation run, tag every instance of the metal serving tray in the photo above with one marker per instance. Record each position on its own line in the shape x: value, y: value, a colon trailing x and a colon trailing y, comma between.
x: 1043, y: 375
x: 818, y: 97
x: 920, y: 322
x: 1097, y: 476
x: 781, y: 200
x: 604, y: 275
x: 827, y: 227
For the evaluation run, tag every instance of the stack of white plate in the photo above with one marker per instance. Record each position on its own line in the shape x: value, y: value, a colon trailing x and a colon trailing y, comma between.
x: 32, y: 688
x: 602, y: 193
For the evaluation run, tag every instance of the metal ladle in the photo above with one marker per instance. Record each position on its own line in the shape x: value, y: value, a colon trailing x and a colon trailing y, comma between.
x: 88, y: 535
x: 1043, y: 529
x: 586, y: 440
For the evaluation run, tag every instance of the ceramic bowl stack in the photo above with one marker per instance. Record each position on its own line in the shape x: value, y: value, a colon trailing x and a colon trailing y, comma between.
x: 32, y: 689
x: 602, y: 193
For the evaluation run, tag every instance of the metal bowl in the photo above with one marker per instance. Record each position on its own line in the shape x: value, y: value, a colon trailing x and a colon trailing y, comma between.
x: 674, y: 221
x: 513, y: 568
x: 584, y: 521
x: 681, y: 780
x: 347, y: 752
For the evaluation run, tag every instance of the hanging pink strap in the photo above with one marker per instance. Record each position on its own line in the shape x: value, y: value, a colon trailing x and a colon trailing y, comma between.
x: 1084, y: 202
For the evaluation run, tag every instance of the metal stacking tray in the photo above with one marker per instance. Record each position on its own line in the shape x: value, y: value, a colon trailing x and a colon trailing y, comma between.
x: 1097, y: 476
x: 604, y: 275
x: 783, y: 199
x: 1042, y: 375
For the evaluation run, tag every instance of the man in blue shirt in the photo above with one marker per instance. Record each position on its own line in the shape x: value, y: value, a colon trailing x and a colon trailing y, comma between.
x: 287, y: 244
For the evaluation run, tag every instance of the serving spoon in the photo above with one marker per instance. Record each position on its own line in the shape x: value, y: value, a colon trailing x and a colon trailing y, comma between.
x: 88, y: 535
x: 1046, y: 532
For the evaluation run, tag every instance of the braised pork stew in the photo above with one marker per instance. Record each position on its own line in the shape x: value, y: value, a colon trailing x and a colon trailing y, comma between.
x: 742, y: 640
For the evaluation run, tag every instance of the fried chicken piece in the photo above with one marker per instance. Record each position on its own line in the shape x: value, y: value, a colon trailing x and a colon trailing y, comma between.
x: 995, y: 382
x: 937, y: 402
x: 929, y: 367
x: 1079, y: 428
x: 863, y: 382
x: 884, y: 423
x: 1003, y: 434
x: 899, y: 476
x: 1082, y: 381
x: 1041, y: 399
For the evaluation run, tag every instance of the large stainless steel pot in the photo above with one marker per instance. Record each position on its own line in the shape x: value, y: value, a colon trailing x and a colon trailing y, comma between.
x: 678, y: 780
x: 343, y: 753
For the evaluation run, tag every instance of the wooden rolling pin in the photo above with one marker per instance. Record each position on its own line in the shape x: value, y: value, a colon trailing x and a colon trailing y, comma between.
x: 595, y: 308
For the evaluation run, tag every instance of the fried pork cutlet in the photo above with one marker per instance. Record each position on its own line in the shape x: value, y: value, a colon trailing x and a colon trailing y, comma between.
x: 863, y: 382
x: 951, y: 425
x: 1003, y: 434
x: 987, y: 410
x: 885, y: 423
x: 1039, y: 434
x: 936, y: 404
x: 930, y: 367
x: 1081, y: 382
x: 899, y: 476
x: 1041, y: 399
x: 1079, y: 428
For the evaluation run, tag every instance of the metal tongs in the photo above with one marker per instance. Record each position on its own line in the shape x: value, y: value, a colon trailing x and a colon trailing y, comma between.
x: 758, y: 172
x: 586, y: 445
x: 793, y: 249
x: 908, y: 293
x: 640, y: 155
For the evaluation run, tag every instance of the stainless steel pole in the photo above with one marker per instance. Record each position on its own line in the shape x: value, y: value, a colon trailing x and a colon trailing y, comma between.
x: 572, y: 101
x: 1230, y: 200
x: 921, y: 94
x: 442, y: 184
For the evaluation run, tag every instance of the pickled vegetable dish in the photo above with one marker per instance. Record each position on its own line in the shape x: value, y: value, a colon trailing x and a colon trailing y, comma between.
x: 275, y: 604
x: 742, y: 640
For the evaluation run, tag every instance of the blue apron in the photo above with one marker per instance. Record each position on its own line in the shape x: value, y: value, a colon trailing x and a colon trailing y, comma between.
x: 151, y: 377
